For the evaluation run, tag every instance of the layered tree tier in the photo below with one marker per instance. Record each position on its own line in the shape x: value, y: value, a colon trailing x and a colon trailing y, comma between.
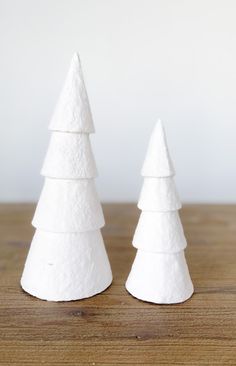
x: 69, y: 156
x: 68, y: 206
x: 63, y: 266
x: 159, y: 232
x: 159, y: 194
x: 160, y: 278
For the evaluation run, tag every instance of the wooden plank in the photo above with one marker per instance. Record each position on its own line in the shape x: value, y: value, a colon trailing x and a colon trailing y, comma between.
x: 113, y: 328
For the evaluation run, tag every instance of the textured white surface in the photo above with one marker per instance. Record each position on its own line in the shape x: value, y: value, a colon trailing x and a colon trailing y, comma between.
x: 63, y: 267
x: 67, y: 259
x: 68, y: 206
x: 159, y: 194
x: 158, y: 162
x: 69, y: 156
x: 159, y: 273
x: 160, y: 278
x: 159, y: 232
x: 72, y: 113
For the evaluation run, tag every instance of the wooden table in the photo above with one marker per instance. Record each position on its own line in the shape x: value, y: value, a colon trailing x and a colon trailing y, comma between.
x: 113, y: 328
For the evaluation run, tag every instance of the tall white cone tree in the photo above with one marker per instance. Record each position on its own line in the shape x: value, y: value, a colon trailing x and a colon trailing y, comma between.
x: 159, y: 273
x: 67, y: 258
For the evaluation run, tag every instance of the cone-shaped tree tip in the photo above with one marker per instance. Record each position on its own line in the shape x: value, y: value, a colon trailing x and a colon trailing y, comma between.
x: 76, y: 58
x: 72, y: 113
x: 158, y: 162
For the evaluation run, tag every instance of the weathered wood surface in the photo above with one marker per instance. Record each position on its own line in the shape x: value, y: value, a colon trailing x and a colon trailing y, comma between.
x: 113, y: 328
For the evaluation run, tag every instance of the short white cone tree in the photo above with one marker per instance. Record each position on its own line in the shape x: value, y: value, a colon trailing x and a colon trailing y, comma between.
x: 159, y: 273
x: 67, y: 258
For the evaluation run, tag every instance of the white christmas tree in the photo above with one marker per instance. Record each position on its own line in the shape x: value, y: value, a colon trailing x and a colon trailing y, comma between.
x: 159, y: 273
x: 67, y: 258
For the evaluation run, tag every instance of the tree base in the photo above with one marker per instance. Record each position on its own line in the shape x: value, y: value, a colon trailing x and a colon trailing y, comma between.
x: 160, y: 278
x: 66, y: 267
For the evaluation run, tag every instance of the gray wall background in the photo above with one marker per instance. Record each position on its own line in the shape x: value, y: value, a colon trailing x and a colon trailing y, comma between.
x: 142, y: 59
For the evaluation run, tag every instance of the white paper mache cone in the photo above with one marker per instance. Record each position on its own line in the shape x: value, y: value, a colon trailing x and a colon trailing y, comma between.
x: 159, y: 232
x: 158, y: 162
x: 72, y: 113
x: 69, y: 156
x: 68, y: 206
x: 159, y: 194
x: 160, y: 278
x: 64, y: 267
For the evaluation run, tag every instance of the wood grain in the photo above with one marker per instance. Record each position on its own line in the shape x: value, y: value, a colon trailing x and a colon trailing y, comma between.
x: 113, y: 328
